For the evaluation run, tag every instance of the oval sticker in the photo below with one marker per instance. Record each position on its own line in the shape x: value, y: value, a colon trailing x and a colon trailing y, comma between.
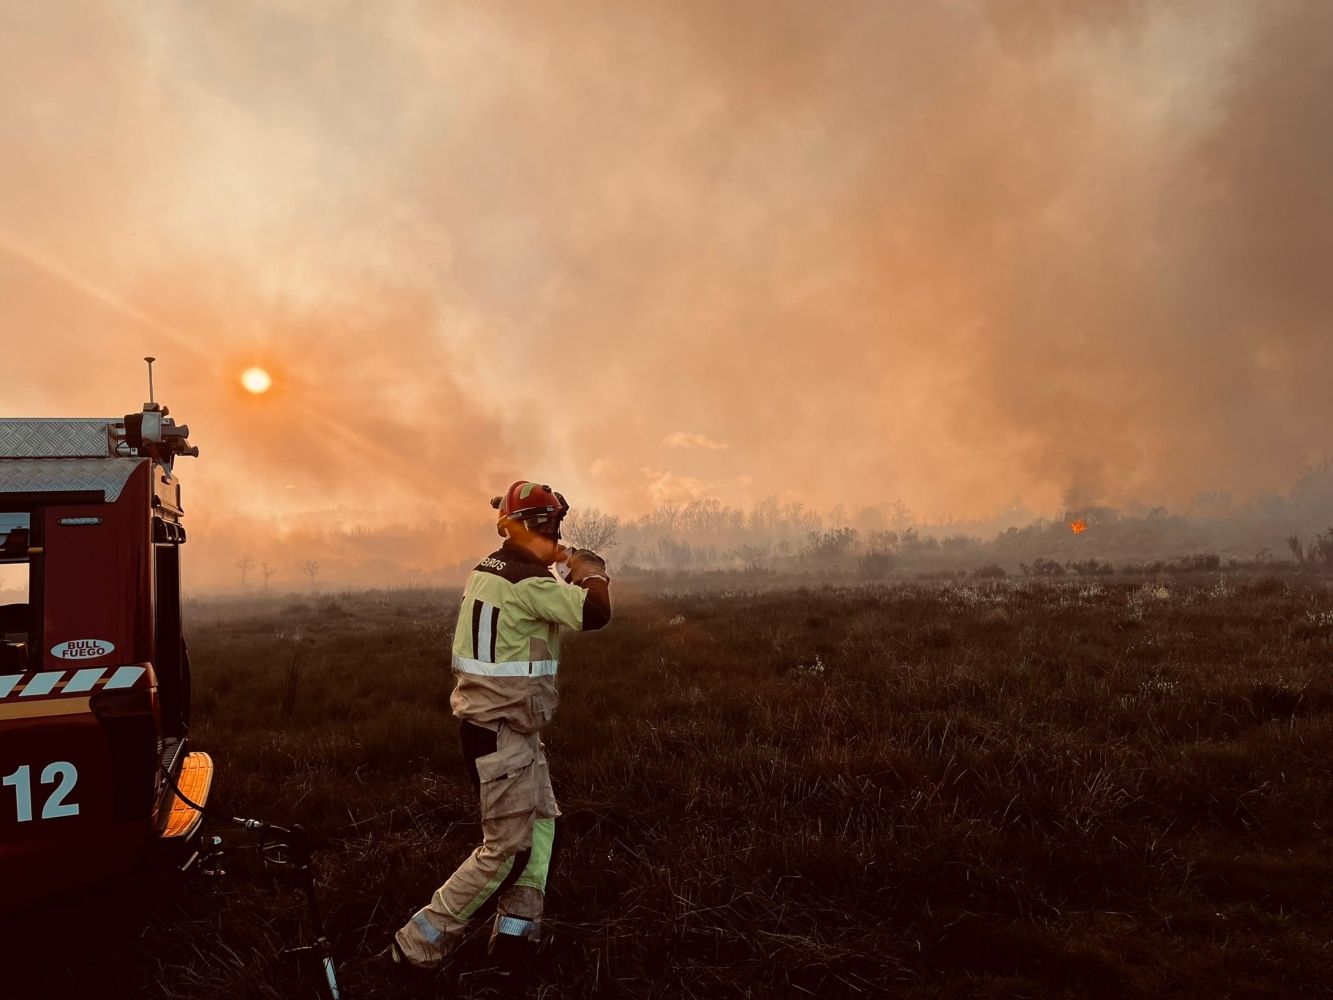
x: 83, y: 649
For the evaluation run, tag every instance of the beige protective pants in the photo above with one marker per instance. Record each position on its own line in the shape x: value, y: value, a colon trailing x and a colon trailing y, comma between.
x: 518, y: 812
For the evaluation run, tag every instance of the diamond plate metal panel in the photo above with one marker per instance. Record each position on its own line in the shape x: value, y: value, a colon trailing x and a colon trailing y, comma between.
x: 55, y: 438
x: 61, y: 475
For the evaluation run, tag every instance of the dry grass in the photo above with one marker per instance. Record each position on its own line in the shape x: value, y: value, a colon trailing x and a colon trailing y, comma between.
x: 1003, y: 789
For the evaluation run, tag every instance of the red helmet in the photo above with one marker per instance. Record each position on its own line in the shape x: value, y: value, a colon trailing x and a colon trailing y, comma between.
x: 538, y: 507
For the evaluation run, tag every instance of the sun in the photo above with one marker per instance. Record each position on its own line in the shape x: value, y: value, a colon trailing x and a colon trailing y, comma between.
x: 256, y: 380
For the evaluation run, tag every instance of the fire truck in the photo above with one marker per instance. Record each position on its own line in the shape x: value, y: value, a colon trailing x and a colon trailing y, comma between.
x: 96, y: 768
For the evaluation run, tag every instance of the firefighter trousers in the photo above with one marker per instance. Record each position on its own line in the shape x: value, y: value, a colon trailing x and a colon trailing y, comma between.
x: 518, y: 812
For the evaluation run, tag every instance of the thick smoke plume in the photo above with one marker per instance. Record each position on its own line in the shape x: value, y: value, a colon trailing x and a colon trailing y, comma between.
x: 955, y: 253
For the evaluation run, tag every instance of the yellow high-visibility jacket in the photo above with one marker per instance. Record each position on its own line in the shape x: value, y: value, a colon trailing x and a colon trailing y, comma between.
x: 506, y: 651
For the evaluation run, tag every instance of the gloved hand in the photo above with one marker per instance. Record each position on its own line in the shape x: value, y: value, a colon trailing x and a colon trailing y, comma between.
x: 585, y: 564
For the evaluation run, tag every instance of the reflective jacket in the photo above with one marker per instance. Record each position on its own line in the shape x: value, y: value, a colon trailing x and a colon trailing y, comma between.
x: 507, y: 642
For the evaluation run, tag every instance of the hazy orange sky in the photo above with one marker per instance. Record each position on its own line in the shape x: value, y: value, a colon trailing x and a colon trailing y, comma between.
x: 952, y: 252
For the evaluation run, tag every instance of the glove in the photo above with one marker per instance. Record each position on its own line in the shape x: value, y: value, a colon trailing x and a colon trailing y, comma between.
x: 585, y: 564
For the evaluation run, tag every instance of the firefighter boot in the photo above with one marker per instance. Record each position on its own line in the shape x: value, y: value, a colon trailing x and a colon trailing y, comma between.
x: 516, y: 933
x: 403, y: 972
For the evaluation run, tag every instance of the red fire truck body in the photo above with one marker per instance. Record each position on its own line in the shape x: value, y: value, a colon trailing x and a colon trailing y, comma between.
x: 94, y: 673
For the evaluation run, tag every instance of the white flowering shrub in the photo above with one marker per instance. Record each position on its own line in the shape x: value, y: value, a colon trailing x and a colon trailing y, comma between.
x: 814, y: 669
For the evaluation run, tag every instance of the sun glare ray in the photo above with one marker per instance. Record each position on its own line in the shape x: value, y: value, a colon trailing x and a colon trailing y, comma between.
x: 92, y: 290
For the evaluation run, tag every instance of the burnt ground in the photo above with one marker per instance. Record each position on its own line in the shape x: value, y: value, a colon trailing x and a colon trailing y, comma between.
x: 1006, y: 789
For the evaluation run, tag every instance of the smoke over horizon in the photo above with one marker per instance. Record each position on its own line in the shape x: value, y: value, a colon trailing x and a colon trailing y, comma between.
x: 953, y: 253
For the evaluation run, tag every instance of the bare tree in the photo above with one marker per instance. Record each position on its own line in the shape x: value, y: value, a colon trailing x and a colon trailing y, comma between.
x: 900, y: 518
x: 1322, y: 549
x: 311, y: 569
x: 590, y: 528
x: 1297, y: 550
x: 268, y: 571
x: 244, y: 565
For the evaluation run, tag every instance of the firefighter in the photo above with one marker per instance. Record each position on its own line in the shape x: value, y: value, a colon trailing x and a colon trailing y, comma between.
x: 505, y: 654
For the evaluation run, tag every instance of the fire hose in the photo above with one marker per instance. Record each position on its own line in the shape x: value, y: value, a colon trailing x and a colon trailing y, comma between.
x: 289, y: 846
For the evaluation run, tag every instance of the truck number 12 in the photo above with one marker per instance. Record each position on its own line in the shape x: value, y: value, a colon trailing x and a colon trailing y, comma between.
x: 55, y: 806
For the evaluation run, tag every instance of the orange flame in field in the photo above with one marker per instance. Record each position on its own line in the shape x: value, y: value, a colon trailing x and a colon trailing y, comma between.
x: 1078, y: 527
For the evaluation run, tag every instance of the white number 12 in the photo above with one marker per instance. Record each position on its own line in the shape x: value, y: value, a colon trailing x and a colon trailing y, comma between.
x: 56, y: 806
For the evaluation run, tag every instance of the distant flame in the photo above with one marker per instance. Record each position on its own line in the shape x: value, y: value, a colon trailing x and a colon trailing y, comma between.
x: 1078, y: 527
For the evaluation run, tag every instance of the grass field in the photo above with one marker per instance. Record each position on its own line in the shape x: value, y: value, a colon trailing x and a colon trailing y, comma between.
x: 1012, y: 789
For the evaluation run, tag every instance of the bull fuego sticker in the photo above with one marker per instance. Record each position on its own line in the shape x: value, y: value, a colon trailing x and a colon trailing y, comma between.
x: 83, y: 649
